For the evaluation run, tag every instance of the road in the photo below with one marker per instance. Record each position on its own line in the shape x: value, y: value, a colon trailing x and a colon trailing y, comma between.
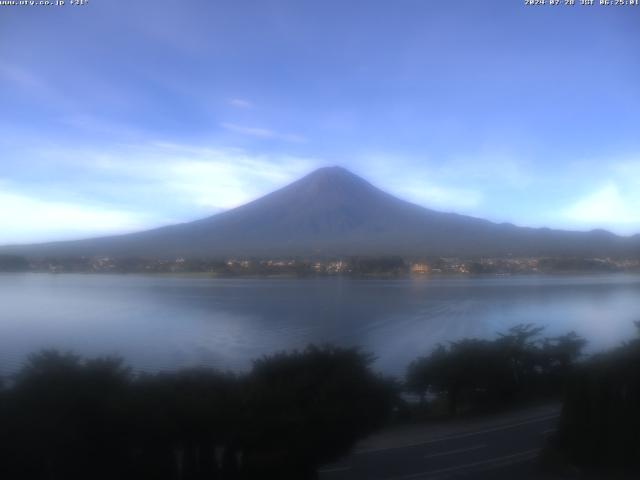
x: 499, y: 447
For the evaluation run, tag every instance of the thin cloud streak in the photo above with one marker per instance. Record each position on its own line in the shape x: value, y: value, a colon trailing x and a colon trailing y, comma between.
x: 240, y: 103
x: 264, y: 133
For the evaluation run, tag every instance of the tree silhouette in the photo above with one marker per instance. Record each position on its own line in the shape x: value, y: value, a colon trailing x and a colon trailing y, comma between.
x: 69, y: 418
x: 600, y: 423
x: 311, y: 406
x: 474, y: 374
x: 63, y: 416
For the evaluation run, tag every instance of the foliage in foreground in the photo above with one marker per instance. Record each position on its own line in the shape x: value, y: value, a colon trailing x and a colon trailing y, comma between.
x: 599, y: 427
x: 64, y: 417
x: 67, y: 418
x: 475, y: 374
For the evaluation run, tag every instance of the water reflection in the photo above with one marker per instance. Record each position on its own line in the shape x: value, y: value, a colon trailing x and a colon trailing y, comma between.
x: 168, y: 322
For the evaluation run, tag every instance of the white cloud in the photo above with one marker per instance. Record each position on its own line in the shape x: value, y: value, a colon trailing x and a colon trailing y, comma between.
x: 440, y: 197
x: 191, y: 175
x: 607, y: 206
x: 423, y: 184
x: 93, y: 191
x: 262, y: 133
x: 30, y: 219
x: 240, y: 103
x: 223, y: 179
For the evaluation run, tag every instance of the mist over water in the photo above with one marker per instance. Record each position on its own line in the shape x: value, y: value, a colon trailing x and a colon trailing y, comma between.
x: 165, y: 322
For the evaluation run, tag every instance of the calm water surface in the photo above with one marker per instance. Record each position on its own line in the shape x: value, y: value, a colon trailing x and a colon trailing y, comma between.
x: 158, y: 322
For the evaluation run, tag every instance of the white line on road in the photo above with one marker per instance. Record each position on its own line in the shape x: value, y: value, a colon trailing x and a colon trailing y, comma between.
x: 453, y: 452
x: 492, y: 462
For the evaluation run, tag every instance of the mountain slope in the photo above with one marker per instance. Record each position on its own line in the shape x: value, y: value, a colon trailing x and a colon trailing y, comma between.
x: 334, y: 212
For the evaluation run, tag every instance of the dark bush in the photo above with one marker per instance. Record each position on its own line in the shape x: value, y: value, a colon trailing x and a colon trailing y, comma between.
x: 600, y: 423
x: 473, y: 374
x: 68, y: 418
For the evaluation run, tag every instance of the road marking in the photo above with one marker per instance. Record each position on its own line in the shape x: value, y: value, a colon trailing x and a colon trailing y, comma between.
x: 453, y: 452
x: 492, y: 462
x: 548, y: 431
x: 462, y: 435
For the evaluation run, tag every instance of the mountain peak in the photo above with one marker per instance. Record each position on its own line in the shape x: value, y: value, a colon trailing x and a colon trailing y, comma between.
x: 334, y: 171
x: 331, y: 178
x: 328, y: 188
x: 331, y: 170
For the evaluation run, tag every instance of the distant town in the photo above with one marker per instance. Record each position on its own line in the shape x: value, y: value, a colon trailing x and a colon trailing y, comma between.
x: 385, y: 266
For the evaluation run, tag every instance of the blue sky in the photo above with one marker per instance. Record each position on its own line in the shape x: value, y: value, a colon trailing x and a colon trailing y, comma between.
x: 117, y: 116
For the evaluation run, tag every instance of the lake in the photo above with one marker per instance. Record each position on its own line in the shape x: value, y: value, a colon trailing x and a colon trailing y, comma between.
x: 166, y: 322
